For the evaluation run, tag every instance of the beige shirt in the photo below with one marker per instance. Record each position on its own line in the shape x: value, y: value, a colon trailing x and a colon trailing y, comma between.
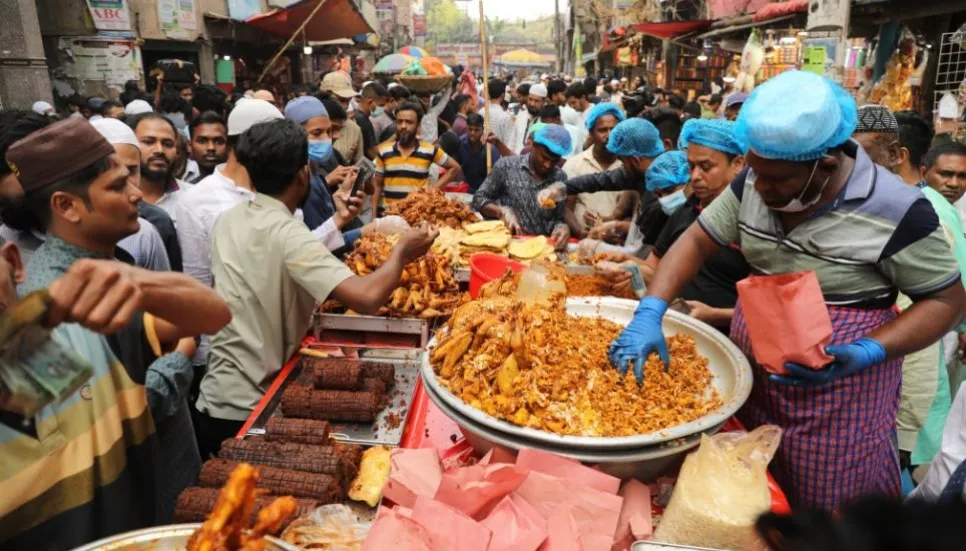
x: 603, y: 202
x: 350, y: 144
x: 271, y: 270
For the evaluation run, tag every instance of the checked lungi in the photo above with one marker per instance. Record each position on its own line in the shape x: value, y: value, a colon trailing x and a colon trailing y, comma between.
x: 839, y: 439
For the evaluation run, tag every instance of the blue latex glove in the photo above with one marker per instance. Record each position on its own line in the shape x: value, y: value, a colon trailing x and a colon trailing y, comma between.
x: 849, y: 359
x: 642, y: 336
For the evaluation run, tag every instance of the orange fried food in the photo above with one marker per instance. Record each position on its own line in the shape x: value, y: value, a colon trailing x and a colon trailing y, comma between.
x: 427, y: 288
x: 578, y: 285
x: 432, y: 205
x: 538, y: 367
x: 226, y: 528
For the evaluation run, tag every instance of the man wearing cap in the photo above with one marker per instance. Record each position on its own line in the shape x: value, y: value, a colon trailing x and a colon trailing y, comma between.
x: 43, y: 108
x: 536, y: 99
x: 586, y: 210
x: 733, y: 105
x: 509, y: 193
x: 136, y: 107
x: 812, y: 200
x: 501, y: 122
x: 157, y: 138
x: 88, y: 203
x: 338, y: 86
x: 713, y: 156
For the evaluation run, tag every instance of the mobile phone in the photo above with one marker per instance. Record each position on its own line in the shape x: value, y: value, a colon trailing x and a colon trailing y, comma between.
x: 361, y: 178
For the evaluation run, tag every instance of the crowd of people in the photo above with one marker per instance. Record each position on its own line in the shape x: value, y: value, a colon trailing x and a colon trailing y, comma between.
x: 186, y: 237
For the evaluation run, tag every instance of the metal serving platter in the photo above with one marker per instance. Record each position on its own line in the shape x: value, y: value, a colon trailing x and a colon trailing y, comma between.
x: 645, y: 463
x: 369, y: 325
x: 732, y: 378
x: 165, y: 538
x: 387, y: 429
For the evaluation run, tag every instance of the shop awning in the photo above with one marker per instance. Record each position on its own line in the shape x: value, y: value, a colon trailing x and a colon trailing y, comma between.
x: 671, y: 29
x: 735, y: 28
x: 335, y: 19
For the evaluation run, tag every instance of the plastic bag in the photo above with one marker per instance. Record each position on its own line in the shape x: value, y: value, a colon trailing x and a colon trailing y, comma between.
x: 721, y: 492
x: 550, y: 196
x: 536, y: 287
x: 332, y: 527
x: 391, y: 224
x: 787, y: 320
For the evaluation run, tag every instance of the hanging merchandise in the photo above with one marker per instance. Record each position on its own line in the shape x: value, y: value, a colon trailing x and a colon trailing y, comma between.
x: 751, y: 59
x: 894, y: 89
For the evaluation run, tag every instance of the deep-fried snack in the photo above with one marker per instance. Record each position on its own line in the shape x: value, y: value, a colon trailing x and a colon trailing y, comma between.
x: 578, y: 285
x: 303, y: 431
x: 334, y: 373
x: 331, y: 405
x: 290, y: 455
x: 195, y: 503
x: 373, y: 475
x: 325, y: 488
x: 431, y: 205
x: 225, y: 527
x: 384, y: 371
x: 538, y: 367
x: 427, y: 288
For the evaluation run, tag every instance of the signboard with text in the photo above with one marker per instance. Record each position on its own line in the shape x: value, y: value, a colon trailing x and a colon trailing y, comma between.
x: 419, y: 25
x: 110, y: 15
x: 177, y: 16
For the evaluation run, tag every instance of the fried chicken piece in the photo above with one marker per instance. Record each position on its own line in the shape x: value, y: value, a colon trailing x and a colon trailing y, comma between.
x: 223, y: 528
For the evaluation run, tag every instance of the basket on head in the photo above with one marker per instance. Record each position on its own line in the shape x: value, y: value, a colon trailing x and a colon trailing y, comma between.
x: 421, y: 84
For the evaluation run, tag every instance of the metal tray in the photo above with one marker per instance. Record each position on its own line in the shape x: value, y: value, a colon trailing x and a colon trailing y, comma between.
x: 367, y: 325
x: 732, y: 378
x: 164, y: 538
x: 378, y: 433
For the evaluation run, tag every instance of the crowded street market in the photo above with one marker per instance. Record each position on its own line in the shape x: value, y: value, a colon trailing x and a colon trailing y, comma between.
x: 428, y: 275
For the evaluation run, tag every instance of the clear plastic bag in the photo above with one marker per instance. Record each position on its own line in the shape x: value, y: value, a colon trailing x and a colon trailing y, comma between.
x: 721, y: 492
x: 536, y: 286
x: 332, y: 527
x: 391, y: 224
x: 552, y: 195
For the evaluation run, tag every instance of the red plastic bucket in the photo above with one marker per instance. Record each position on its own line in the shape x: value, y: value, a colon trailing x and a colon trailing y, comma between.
x: 485, y: 267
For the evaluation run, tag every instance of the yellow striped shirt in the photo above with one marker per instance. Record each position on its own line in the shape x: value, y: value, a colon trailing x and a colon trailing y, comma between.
x: 401, y: 174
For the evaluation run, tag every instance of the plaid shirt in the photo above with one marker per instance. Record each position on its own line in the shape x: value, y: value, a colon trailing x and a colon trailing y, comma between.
x: 512, y: 184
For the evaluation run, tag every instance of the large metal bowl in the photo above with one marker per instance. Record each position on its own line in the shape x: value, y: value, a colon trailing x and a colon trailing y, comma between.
x: 165, y: 538
x: 644, y: 464
x: 732, y: 379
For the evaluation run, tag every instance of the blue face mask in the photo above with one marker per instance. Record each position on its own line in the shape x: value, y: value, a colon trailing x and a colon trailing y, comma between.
x: 673, y: 202
x: 320, y: 151
x: 378, y: 111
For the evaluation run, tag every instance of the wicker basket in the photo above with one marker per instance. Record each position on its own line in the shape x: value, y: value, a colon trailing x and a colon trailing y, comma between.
x: 419, y: 84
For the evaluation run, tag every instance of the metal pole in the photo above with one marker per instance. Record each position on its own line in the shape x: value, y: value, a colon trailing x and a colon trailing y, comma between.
x: 558, y: 46
x: 290, y: 40
x: 484, y: 54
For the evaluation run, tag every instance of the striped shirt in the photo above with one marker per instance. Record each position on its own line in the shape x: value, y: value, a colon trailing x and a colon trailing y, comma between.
x: 878, y: 237
x: 401, y: 174
x: 82, y: 469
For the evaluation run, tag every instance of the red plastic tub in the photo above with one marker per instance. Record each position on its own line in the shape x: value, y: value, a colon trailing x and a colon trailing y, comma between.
x: 485, y: 267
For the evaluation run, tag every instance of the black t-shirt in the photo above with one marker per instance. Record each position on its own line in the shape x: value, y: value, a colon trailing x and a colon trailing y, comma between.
x: 162, y: 222
x: 368, y: 132
x: 651, y: 220
x: 715, y: 283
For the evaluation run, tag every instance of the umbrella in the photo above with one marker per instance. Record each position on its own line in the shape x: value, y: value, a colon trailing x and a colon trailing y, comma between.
x: 413, y: 51
x: 392, y: 64
x: 522, y: 58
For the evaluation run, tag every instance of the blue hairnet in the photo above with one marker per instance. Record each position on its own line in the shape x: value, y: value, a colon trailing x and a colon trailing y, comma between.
x: 717, y: 134
x: 602, y: 109
x: 796, y: 116
x: 669, y: 170
x: 555, y: 138
x: 635, y: 138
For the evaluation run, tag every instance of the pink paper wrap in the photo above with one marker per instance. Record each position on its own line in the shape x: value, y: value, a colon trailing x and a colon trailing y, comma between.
x: 476, y: 489
x: 394, y: 531
x: 448, y: 528
x: 635, y: 518
x: 516, y: 526
x: 414, y: 472
x: 563, y: 533
x: 567, y: 469
x: 595, y: 512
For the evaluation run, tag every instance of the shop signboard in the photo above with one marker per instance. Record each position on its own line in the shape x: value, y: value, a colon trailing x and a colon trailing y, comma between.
x: 457, y: 50
x: 827, y: 15
x: 177, y: 16
x: 110, y: 15
x: 112, y: 61
x: 384, y: 6
x: 243, y: 9
x: 419, y: 25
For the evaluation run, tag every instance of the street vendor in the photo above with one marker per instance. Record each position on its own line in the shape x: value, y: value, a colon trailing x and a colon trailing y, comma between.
x: 636, y: 143
x: 811, y: 199
x: 271, y: 270
x: 714, y: 156
x: 509, y: 193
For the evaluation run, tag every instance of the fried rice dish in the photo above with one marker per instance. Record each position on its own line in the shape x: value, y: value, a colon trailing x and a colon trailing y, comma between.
x: 538, y: 367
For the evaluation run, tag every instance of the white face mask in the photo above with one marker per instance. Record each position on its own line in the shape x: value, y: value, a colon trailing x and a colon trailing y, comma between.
x: 796, y: 205
x: 672, y: 202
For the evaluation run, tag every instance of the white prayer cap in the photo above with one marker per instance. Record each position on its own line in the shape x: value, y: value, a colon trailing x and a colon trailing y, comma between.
x: 137, y: 107
x: 115, y: 131
x: 538, y: 90
x: 41, y: 107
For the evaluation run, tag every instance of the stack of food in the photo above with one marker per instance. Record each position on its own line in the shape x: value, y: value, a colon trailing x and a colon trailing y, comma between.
x: 295, y: 458
x: 578, y: 285
x: 228, y: 513
x: 427, y: 289
x: 491, y: 236
x: 538, y: 367
x: 431, y: 205
x: 534, y: 248
x: 336, y: 389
